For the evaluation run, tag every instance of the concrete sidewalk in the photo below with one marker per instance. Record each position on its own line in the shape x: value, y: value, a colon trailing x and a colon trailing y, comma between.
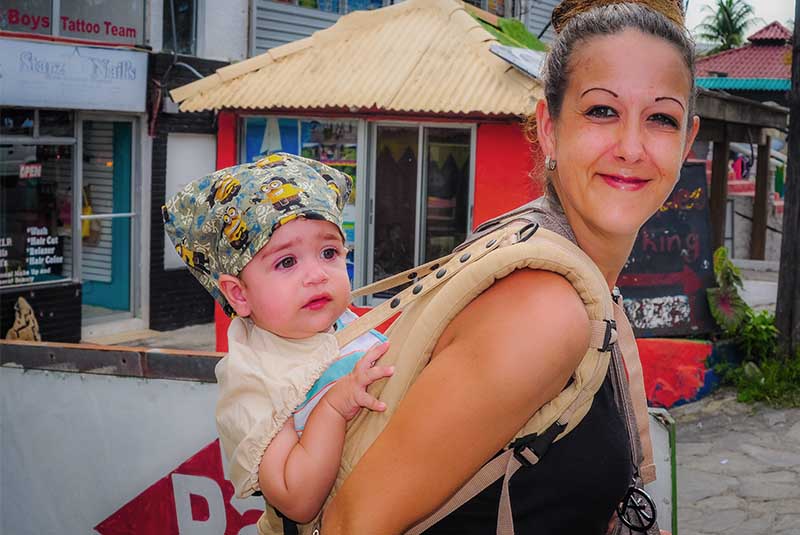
x: 738, y: 467
x: 195, y: 338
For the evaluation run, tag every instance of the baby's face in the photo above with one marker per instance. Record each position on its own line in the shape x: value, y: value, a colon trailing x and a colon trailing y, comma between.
x: 297, y: 285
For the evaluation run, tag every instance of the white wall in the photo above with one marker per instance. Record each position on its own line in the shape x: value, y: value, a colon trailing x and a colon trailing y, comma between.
x: 189, y: 156
x: 76, y: 448
x: 222, y: 28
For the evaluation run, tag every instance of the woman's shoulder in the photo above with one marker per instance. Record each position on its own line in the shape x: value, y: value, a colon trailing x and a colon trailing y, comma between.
x: 526, y: 309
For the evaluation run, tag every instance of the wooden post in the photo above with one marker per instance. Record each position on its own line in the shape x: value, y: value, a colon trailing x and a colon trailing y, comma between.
x: 758, y: 232
x: 787, y: 313
x: 719, y: 189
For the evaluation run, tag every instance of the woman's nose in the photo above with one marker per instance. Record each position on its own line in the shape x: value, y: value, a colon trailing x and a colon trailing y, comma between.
x: 630, y: 146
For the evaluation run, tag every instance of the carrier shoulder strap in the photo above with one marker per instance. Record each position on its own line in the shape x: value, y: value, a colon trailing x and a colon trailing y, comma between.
x: 430, y: 304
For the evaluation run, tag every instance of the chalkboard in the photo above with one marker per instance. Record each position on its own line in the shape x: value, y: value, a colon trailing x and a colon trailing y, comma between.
x: 665, y: 279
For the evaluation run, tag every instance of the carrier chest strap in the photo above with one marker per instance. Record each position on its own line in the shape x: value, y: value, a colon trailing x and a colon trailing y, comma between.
x: 603, y: 332
x: 389, y: 308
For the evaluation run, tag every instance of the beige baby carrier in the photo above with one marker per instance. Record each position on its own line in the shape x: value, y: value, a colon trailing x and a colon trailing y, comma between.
x: 441, y: 289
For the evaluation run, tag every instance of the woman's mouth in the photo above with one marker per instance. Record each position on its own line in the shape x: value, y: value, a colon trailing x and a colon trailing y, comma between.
x: 625, y: 183
x: 317, y: 302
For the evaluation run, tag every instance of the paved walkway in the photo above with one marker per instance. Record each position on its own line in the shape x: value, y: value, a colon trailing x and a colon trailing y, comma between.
x: 738, y: 468
x: 194, y: 338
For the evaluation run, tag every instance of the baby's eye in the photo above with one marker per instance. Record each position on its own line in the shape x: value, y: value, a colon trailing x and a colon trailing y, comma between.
x: 330, y: 253
x: 286, y: 263
x: 601, y: 112
x: 664, y: 120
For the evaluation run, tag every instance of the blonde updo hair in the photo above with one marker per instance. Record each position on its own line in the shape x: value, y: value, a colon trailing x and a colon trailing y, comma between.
x: 566, y: 10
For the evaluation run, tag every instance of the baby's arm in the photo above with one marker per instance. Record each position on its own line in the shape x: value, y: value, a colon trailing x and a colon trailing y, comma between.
x: 296, y: 474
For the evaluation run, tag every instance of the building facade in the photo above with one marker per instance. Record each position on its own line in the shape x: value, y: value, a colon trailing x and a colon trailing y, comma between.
x: 89, y: 148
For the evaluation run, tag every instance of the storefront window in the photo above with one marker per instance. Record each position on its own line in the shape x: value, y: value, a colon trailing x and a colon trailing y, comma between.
x: 331, y: 142
x: 16, y: 121
x: 180, y: 24
x: 35, y: 213
x: 337, y: 6
x: 29, y: 16
x: 56, y: 123
x: 112, y: 21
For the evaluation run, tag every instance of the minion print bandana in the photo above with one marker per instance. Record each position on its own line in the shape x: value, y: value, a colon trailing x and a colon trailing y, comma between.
x: 218, y: 223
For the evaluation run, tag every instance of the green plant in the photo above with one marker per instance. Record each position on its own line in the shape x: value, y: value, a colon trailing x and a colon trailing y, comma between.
x: 727, y: 307
x: 726, y: 23
x: 774, y: 381
x: 757, y: 335
x: 763, y: 375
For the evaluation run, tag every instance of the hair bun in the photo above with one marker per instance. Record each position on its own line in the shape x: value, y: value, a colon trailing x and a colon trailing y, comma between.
x: 567, y: 9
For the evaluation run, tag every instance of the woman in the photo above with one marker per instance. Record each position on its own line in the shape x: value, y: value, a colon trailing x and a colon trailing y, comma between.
x: 616, y: 125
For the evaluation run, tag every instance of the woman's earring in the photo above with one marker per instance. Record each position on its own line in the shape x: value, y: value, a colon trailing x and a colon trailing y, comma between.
x: 550, y: 163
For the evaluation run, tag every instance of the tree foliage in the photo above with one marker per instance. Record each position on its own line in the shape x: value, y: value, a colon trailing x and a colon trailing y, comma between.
x: 725, y: 24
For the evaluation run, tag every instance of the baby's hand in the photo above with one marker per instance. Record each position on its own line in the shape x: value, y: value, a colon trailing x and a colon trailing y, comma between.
x: 349, y: 393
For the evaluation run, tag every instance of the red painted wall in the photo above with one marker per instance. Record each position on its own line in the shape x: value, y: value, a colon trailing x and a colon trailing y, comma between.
x: 503, y: 163
x: 674, y: 370
x: 226, y: 157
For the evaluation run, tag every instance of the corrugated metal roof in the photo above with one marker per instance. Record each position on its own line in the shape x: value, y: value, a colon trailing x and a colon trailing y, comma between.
x: 418, y: 56
x: 744, y: 84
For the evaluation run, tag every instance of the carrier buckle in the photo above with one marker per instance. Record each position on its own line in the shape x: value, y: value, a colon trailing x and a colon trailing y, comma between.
x: 611, y: 328
x: 537, y: 443
x: 527, y: 231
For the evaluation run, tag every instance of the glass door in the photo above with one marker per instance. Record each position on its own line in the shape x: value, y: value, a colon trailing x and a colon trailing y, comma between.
x: 106, y: 219
x: 395, y: 200
x: 420, y: 195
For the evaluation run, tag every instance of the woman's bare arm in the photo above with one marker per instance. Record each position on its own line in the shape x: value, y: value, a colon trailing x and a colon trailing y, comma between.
x: 504, y: 356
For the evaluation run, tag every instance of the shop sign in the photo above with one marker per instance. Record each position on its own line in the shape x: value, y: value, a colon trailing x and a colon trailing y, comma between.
x: 111, y: 21
x: 30, y: 170
x: 33, y: 16
x: 77, y: 77
x: 43, y: 257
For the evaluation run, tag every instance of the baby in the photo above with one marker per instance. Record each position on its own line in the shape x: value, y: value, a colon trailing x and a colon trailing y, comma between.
x: 266, y: 240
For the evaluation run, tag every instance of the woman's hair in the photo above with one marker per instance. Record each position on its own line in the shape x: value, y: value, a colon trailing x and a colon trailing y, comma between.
x: 580, y: 20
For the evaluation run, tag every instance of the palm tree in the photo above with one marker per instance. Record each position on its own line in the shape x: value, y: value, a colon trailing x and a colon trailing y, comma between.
x: 726, y: 23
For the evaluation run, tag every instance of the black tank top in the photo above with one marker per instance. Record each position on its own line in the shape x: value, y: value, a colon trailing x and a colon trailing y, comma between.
x: 572, y: 490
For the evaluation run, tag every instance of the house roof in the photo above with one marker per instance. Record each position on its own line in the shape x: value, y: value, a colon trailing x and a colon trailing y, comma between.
x: 418, y: 56
x: 774, y: 31
x: 767, y: 55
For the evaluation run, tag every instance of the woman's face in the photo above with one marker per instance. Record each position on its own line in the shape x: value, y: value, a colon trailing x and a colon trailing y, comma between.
x: 622, y: 135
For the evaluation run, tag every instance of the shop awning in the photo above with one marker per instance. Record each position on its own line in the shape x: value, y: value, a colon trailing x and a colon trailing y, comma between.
x: 418, y: 56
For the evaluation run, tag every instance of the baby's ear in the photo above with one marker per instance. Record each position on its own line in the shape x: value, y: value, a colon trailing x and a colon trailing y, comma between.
x: 233, y: 290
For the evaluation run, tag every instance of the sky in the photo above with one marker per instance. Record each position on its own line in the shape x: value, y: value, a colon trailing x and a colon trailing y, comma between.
x: 768, y: 10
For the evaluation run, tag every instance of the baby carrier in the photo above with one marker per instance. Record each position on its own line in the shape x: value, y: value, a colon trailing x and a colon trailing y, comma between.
x: 438, y: 291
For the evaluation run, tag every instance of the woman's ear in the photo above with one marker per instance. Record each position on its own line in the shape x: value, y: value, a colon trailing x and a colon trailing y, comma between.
x: 545, y: 129
x: 234, y: 291
x: 690, y: 137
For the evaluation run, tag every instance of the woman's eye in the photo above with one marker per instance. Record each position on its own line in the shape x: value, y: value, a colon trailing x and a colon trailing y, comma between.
x: 286, y: 263
x: 330, y: 253
x: 664, y: 120
x: 601, y: 112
